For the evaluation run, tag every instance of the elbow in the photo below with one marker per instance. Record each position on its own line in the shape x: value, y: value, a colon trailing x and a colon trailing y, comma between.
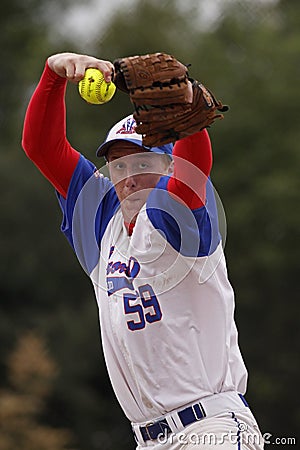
x: 28, y: 142
x: 29, y: 149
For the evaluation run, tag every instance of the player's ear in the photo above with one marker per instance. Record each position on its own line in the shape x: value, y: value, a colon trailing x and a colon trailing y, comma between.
x: 107, y: 166
x: 168, y: 164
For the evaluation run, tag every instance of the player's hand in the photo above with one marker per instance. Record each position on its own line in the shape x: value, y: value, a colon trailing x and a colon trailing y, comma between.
x: 72, y: 66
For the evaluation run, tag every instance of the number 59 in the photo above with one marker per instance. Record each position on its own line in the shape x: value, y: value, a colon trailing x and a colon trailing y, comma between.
x: 148, y: 311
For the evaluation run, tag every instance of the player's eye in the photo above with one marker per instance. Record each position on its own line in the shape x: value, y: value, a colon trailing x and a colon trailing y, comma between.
x: 143, y: 165
x: 119, y: 166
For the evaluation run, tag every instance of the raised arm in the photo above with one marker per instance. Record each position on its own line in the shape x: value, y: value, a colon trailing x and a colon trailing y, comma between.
x: 44, y: 133
x: 192, y: 164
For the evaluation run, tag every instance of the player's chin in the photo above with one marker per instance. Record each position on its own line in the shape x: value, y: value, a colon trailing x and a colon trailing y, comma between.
x: 131, y: 208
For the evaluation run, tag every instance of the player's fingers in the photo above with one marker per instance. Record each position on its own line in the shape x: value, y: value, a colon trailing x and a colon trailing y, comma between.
x: 79, y: 71
x: 107, y: 68
x: 70, y: 70
x: 81, y: 63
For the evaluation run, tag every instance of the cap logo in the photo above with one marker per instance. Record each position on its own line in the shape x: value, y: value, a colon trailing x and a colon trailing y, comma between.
x: 128, y: 127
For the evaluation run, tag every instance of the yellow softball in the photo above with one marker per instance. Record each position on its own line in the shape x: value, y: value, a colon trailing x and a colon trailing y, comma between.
x: 94, y: 89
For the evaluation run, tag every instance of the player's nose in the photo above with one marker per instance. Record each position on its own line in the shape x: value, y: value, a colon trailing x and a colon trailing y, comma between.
x: 130, y: 179
x: 130, y: 176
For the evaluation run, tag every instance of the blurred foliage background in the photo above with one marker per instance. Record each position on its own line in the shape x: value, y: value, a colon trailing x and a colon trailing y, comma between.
x: 54, y: 389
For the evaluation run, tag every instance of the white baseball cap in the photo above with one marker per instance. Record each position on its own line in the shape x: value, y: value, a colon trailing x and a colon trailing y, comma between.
x: 125, y: 130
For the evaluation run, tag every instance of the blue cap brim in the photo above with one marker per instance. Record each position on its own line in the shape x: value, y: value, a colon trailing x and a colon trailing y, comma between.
x: 164, y: 149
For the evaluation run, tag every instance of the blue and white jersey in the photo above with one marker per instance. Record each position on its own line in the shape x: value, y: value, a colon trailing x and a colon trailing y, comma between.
x: 166, y: 306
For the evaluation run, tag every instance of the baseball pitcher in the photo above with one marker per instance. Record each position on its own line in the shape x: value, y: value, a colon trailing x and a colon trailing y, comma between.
x: 147, y: 234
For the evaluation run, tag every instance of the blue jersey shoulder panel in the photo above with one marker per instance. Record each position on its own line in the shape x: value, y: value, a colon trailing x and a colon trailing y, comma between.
x: 90, y: 204
x: 192, y: 233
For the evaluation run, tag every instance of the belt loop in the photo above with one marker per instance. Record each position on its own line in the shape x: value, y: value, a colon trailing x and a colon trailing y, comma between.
x: 198, y: 408
x: 137, y: 434
x: 174, y: 422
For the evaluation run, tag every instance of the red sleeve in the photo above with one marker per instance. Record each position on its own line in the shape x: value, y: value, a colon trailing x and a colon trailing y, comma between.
x: 192, y: 164
x: 44, y: 132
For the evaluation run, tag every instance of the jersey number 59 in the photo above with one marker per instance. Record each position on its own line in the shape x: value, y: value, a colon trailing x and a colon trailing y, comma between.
x: 147, y: 310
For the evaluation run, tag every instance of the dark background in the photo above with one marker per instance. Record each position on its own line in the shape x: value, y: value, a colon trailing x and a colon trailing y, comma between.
x: 54, y: 389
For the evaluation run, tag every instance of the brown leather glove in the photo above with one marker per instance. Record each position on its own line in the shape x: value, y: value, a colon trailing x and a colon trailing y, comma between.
x: 168, y: 105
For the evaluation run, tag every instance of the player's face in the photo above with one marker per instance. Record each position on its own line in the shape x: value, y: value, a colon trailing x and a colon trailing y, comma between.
x: 134, y: 174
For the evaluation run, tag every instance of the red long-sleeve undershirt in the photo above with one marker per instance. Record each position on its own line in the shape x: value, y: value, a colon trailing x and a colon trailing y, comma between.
x: 45, y: 143
x: 44, y: 133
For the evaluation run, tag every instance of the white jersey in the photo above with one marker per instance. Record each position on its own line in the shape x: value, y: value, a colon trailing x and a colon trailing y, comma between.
x: 166, y: 306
